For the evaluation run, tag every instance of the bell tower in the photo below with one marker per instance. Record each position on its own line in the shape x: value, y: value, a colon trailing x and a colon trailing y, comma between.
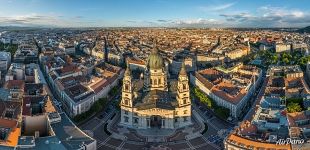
x: 183, y: 88
x: 127, y: 90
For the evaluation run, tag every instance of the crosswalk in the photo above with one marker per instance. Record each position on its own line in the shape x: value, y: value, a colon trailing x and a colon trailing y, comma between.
x: 101, y: 143
x: 104, y: 120
x: 189, y: 144
x: 207, y: 141
x: 204, y: 117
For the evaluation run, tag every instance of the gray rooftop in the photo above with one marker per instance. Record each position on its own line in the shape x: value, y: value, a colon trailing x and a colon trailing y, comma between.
x: 46, y: 143
x: 70, y: 136
x: 2, y: 147
x: 157, y: 99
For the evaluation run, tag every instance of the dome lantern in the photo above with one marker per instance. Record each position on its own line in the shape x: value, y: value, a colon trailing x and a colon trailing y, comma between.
x: 155, y: 61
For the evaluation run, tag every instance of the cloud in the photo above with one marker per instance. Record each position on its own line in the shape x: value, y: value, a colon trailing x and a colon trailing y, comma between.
x: 238, y: 17
x: 269, y: 17
x: 216, y: 7
x: 163, y: 20
x: 199, y: 22
x: 79, y: 17
x: 132, y: 21
x: 196, y: 21
x: 44, y: 20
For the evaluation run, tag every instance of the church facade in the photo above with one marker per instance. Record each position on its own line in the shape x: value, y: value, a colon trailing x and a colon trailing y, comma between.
x: 154, y: 100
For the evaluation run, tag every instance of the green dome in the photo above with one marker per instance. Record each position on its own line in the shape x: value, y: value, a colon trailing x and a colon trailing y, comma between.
x: 155, y: 61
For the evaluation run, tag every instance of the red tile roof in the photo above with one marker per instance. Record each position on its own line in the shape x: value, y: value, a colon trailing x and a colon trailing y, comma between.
x: 256, y: 144
x: 218, y: 90
x: 17, y: 84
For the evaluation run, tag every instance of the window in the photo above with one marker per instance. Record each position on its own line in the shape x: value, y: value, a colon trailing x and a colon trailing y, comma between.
x: 163, y: 122
x: 184, y: 101
x: 176, y: 113
x: 151, y: 81
x: 126, y: 102
x: 185, y: 119
x: 176, y: 120
x: 126, y: 112
x: 159, y: 81
x: 136, y: 120
x: 148, y: 122
x: 184, y: 86
x: 126, y: 87
x: 126, y: 119
x: 185, y: 111
x: 155, y: 82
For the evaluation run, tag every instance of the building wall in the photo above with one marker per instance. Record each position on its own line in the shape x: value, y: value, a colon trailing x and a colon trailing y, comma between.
x: 70, y: 50
x: 308, y: 70
x: 235, y: 109
x: 35, y: 123
x: 175, y: 66
x: 229, y: 146
x: 81, y: 107
x: 91, y: 146
x: 283, y: 48
x: 140, y: 67
x: 168, y: 116
x: 236, y: 53
x: 203, y: 59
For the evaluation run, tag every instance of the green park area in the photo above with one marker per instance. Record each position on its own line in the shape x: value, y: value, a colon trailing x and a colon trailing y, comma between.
x: 294, y: 105
x: 286, y: 58
x: 220, y: 111
x: 12, y: 48
x: 96, y: 107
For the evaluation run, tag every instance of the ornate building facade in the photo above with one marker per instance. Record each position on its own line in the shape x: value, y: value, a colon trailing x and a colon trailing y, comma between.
x: 154, y: 100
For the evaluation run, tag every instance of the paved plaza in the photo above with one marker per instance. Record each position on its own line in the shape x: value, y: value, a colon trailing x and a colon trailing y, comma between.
x: 110, y: 135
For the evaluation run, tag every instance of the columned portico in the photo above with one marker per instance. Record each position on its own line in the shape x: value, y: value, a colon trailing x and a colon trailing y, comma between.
x: 163, y: 123
x: 148, y: 124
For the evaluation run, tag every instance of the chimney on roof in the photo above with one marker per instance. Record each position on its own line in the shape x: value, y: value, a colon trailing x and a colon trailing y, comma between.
x: 36, y: 134
x: 68, y: 59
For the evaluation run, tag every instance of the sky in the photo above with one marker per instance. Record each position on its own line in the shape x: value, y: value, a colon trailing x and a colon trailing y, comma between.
x: 155, y: 13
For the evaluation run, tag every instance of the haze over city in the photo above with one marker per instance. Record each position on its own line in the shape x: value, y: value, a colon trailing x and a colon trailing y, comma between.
x: 155, y: 13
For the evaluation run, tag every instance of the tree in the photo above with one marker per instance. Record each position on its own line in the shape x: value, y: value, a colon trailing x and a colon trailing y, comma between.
x: 204, y: 98
x: 293, y: 107
x: 285, y: 60
x: 222, y: 112
x: 294, y: 100
x: 96, y: 107
x: 274, y: 59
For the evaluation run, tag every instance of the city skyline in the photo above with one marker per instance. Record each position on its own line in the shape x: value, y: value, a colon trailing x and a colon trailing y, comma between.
x: 157, y: 13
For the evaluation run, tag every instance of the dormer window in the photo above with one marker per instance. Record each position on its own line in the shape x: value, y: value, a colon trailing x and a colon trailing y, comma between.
x: 184, y: 102
x: 185, y: 112
x: 184, y: 86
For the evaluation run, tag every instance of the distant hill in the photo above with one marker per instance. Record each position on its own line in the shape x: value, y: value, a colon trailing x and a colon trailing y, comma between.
x: 303, y: 30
